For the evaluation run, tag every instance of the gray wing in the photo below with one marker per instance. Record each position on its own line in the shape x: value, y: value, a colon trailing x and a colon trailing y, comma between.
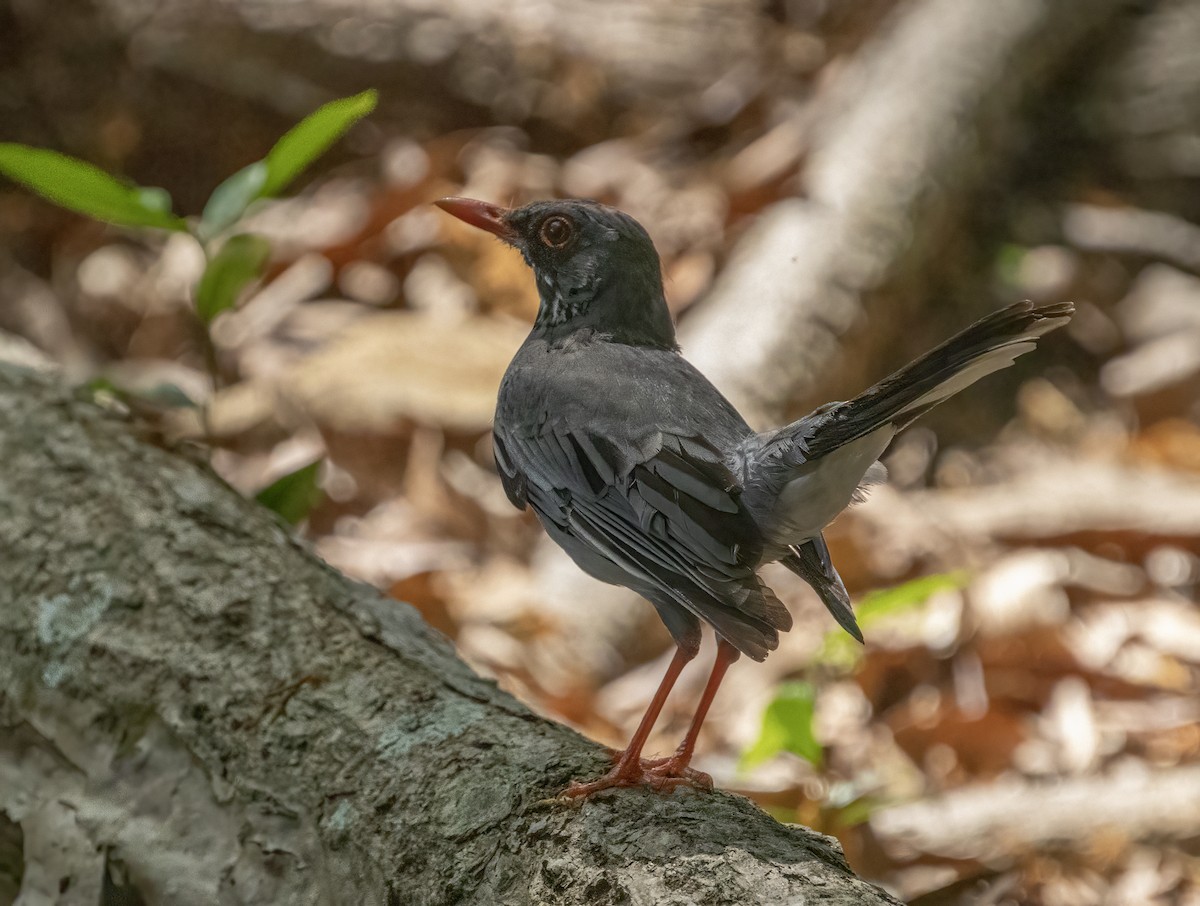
x: 666, y: 511
x: 510, y: 477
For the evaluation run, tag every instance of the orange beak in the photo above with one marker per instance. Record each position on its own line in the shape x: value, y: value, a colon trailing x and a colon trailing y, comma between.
x: 480, y: 214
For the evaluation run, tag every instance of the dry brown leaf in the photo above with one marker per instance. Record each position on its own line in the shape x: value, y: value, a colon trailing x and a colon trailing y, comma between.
x: 1173, y: 443
x: 398, y: 366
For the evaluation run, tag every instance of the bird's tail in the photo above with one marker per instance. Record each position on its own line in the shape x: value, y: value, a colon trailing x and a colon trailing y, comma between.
x: 804, y: 474
x: 812, y: 563
x: 988, y: 345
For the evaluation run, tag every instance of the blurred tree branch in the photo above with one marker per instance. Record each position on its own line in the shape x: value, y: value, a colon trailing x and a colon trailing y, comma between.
x: 915, y: 127
x: 193, y: 694
x: 982, y: 822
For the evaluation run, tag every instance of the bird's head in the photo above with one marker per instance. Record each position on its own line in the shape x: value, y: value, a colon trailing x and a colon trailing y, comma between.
x: 595, y: 267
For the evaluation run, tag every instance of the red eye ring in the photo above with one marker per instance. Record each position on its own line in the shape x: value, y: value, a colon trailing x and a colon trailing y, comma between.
x: 556, y: 232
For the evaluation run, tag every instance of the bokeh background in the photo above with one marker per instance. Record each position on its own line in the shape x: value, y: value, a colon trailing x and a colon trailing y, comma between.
x: 834, y: 186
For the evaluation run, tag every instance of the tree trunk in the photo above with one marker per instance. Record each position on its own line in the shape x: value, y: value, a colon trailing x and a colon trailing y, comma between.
x: 190, y: 700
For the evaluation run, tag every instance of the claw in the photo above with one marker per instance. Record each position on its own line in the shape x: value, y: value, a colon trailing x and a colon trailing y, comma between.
x: 662, y: 774
x: 676, y: 773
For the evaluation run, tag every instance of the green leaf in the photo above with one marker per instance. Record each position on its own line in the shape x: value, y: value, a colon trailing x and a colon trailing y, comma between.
x: 311, y: 137
x: 230, y: 199
x: 294, y: 495
x: 163, y: 395
x: 840, y: 650
x: 153, y: 198
x: 241, y: 259
x: 787, y: 727
x: 99, y: 386
x: 857, y: 811
x: 1008, y: 263
x: 78, y: 186
x: 886, y: 602
x: 168, y: 395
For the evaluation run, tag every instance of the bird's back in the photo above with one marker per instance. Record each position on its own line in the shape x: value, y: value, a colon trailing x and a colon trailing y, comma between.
x: 627, y: 393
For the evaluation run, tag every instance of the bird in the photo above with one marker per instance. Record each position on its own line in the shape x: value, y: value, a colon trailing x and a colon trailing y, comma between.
x: 649, y: 478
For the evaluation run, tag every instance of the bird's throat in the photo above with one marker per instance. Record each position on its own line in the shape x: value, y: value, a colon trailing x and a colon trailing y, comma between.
x: 626, y: 306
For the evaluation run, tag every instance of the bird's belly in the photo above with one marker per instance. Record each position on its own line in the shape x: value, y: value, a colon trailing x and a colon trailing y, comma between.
x: 824, y: 487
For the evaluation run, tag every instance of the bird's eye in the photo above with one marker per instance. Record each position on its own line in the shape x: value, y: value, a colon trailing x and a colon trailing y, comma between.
x: 556, y: 232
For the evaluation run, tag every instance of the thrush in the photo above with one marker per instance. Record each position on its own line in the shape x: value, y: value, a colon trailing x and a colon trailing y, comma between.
x: 649, y: 478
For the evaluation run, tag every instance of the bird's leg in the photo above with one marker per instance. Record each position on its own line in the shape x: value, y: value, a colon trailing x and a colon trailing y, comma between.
x: 628, y: 769
x: 676, y: 767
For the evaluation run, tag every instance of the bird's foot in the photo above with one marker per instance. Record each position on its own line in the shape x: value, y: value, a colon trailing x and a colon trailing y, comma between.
x: 626, y: 772
x: 662, y: 774
x: 675, y: 772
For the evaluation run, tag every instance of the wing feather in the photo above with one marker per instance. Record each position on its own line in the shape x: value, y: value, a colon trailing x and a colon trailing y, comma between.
x: 665, y: 509
x: 511, y: 477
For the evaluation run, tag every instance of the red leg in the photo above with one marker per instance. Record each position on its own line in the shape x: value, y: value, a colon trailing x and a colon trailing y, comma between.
x: 628, y: 770
x: 676, y: 767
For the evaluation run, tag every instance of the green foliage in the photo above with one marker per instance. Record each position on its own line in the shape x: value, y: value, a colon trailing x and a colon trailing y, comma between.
x: 169, y: 396
x: 291, y: 155
x: 230, y: 199
x: 787, y: 727
x: 312, y: 137
x: 839, y: 650
x: 787, y: 724
x: 1008, y: 263
x: 79, y: 186
x: 82, y: 187
x: 857, y: 811
x: 241, y: 259
x: 164, y: 395
x: 294, y: 495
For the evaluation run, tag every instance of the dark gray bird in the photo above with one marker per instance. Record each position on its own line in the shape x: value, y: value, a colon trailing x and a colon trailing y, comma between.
x: 649, y: 478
